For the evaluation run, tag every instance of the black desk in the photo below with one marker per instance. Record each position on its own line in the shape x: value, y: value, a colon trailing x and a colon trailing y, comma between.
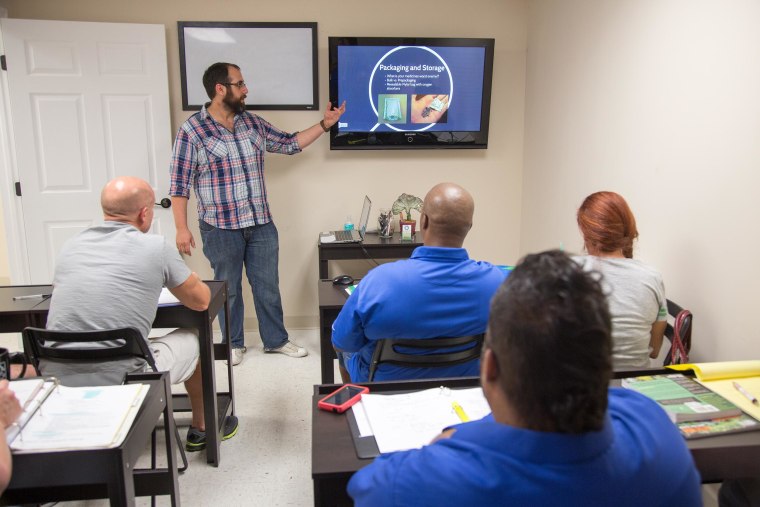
x: 331, y: 300
x: 375, y: 247
x: 334, y: 460
x: 16, y: 315
x: 40, y: 477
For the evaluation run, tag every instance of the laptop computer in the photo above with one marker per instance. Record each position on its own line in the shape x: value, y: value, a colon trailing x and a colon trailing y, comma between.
x: 355, y: 235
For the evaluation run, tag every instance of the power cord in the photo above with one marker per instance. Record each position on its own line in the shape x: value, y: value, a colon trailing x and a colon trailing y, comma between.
x: 369, y: 257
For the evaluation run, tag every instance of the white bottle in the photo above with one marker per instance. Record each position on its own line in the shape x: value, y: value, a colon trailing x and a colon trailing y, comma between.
x: 349, y: 225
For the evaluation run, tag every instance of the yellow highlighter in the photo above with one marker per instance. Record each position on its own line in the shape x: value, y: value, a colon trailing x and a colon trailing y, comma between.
x: 460, y: 411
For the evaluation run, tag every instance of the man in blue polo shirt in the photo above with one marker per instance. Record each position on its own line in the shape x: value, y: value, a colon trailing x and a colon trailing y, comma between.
x: 557, y: 435
x: 438, y: 292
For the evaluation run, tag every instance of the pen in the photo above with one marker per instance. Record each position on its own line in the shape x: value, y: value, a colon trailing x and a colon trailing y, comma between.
x: 31, y: 296
x: 745, y: 393
x: 460, y: 411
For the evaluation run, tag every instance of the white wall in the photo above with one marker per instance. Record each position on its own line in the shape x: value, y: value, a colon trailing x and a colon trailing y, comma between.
x: 658, y: 100
x: 655, y: 99
x: 305, y: 190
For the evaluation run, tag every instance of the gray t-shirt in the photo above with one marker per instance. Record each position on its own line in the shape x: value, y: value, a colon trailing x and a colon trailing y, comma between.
x: 636, y: 297
x: 110, y: 276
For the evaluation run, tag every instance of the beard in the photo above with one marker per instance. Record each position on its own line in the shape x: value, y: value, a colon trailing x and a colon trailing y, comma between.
x: 236, y: 105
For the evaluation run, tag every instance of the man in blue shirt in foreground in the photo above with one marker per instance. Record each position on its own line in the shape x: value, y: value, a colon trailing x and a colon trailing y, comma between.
x: 557, y: 434
x: 438, y: 292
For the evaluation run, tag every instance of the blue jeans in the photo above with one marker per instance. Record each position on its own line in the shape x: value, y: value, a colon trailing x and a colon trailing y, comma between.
x: 257, y: 248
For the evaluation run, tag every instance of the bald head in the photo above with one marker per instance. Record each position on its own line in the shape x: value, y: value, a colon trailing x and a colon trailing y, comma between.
x: 447, y: 215
x: 127, y: 199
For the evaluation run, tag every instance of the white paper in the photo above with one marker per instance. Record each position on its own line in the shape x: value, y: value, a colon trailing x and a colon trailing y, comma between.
x: 167, y: 298
x: 160, y: 332
x: 26, y: 389
x: 30, y: 394
x: 412, y: 420
x: 365, y: 430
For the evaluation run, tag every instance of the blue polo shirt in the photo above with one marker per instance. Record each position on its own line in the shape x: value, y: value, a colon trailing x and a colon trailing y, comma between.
x: 437, y: 292
x: 638, y: 459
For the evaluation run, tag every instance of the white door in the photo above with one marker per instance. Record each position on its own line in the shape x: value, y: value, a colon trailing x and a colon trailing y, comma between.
x: 87, y: 102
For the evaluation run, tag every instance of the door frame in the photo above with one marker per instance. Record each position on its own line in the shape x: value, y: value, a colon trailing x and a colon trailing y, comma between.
x: 13, y: 213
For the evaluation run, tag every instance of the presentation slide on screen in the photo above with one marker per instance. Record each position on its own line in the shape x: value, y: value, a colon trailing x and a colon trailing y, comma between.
x: 410, y: 88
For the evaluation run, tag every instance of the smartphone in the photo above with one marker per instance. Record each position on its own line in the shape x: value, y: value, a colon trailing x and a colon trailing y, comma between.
x: 340, y: 400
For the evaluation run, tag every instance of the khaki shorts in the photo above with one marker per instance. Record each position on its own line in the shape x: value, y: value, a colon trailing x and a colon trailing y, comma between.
x: 177, y: 353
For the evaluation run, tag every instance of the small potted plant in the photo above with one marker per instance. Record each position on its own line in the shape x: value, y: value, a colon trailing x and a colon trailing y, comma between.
x: 404, y: 206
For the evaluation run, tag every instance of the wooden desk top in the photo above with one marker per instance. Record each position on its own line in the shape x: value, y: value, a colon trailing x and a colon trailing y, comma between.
x: 9, y: 306
x: 372, y: 240
x: 331, y: 296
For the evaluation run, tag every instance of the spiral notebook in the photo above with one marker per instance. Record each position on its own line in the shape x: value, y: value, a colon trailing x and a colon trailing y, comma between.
x: 57, y: 418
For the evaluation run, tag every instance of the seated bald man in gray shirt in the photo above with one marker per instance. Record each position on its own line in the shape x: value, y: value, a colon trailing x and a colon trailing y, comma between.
x: 111, y: 275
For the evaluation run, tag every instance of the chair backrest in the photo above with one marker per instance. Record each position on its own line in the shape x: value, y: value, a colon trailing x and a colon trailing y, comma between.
x: 387, y: 351
x: 679, y: 334
x: 123, y: 343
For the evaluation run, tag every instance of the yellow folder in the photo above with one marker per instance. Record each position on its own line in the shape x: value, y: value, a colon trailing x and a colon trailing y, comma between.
x: 720, y: 370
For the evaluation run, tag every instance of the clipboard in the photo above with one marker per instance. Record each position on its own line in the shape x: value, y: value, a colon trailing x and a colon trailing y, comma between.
x: 366, y: 447
x: 411, y: 420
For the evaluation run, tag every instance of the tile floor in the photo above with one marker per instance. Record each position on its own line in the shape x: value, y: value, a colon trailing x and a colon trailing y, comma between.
x: 268, y: 463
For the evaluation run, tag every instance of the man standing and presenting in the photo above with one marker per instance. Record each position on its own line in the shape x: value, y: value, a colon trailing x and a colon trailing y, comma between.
x: 219, y: 152
x: 557, y: 434
x: 110, y: 276
x: 438, y: 292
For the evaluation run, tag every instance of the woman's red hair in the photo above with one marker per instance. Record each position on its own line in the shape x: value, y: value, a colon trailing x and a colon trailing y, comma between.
x: 607, y: 223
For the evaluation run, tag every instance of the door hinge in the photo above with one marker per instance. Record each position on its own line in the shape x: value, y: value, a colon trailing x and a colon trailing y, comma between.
x: 18, y: 189
x: 2, y: 63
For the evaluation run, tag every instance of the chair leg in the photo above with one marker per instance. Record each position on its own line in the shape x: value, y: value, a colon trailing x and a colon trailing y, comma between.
x: 153, y: 461
x: 182, y: 454
x: 153, y: 450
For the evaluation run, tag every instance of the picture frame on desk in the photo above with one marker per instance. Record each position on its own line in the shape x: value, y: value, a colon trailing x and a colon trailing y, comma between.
x: 407, y: 231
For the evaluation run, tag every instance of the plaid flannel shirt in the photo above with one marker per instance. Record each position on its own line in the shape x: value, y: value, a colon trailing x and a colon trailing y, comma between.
x: 226, y: 169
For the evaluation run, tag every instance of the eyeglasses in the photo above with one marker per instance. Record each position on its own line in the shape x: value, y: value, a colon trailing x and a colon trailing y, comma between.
x: 239, y: 84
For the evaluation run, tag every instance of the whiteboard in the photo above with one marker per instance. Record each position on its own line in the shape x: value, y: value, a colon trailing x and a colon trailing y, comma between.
x: 278, y: 61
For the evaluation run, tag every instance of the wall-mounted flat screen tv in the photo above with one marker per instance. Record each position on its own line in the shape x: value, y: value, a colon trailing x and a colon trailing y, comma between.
x: 410, y: 92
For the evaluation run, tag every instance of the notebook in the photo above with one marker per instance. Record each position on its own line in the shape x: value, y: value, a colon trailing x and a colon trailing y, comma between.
x: 60, y: 418
x: 354, y: 235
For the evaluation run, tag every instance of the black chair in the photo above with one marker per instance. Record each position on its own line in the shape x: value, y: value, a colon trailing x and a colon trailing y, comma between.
x: 679, y: 334
x: 387, y: 352
x: 123, y: 343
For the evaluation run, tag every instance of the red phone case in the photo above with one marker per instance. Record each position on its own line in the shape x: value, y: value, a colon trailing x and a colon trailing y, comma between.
x: 339, y: 409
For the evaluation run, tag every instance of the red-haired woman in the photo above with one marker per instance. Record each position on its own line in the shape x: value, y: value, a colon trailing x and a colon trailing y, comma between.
x: 636, y: 294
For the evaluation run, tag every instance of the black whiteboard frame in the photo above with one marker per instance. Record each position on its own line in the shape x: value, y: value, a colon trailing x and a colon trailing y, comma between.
x: 181, y: 25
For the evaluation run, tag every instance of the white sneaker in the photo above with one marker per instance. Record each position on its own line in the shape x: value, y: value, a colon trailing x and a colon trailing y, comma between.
x: 237, y: 355
x: 290, y: 349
